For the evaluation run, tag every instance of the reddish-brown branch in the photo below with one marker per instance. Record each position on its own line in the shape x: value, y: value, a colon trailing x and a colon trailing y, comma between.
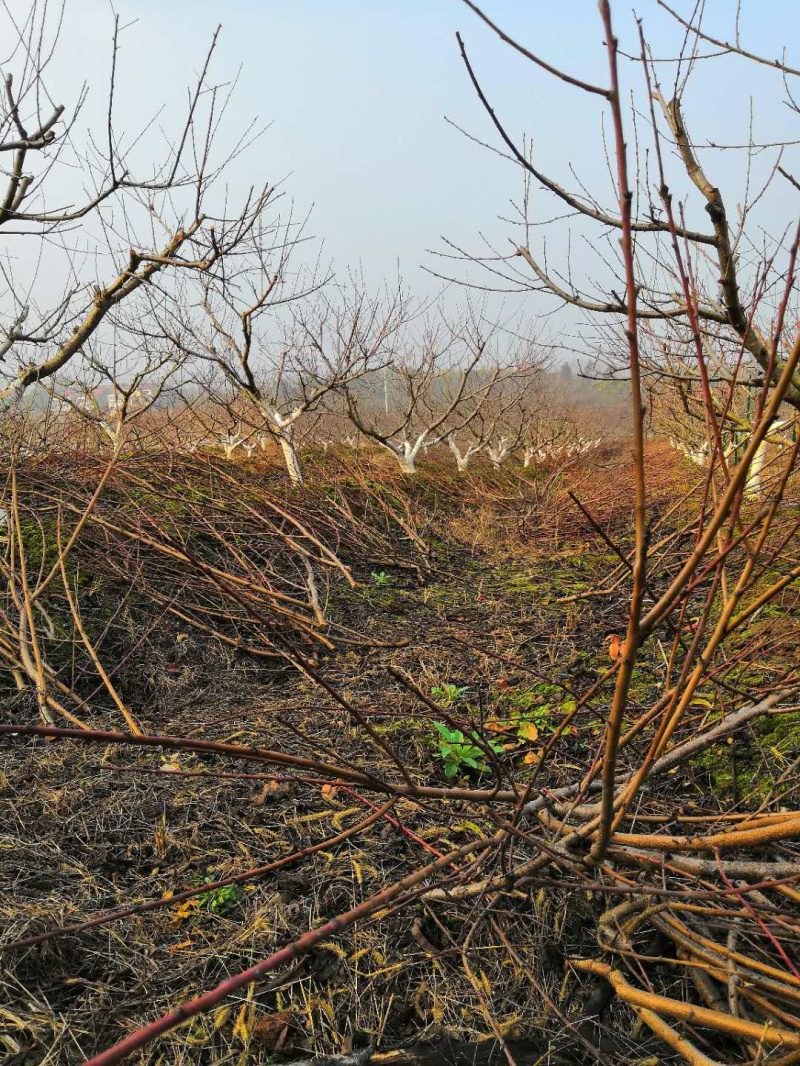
x: 289, y: 954
x: 191, y: 893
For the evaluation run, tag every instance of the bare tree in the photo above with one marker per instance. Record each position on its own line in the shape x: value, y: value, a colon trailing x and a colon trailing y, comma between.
x: 323, y: 344
x: 135, y: 227
x: 463, y: 455
x: 117, y: 387
x: 437, y: 388
x: 724, y: 307
x: 514, y: 416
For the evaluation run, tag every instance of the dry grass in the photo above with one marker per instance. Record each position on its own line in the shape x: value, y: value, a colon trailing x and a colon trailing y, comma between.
x: 91, y: 829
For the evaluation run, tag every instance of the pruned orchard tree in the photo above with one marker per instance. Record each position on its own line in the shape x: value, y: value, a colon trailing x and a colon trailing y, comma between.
x: 432, y: 393
x: 524, y: 415
x: 135, y: 224
x: 551, y: 422
x: 117, y: 386
x: 278, y: 357
x: 498, y: 426
x: 463, y: 454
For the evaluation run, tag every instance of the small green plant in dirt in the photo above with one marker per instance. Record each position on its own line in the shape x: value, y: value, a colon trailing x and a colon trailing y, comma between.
x: 222, y: 901
x: 539, y: 694
x: 461, y: 754
x: 449, y: 694
x: 528, y: 713
x: 541, y: 716
x: 381, y: 579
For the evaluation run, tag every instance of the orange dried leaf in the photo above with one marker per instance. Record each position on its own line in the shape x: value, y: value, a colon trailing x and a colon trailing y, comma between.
x: 270, y: 788
x: 616, y: 648
x: 271, y: 1030
x: 186, y: 909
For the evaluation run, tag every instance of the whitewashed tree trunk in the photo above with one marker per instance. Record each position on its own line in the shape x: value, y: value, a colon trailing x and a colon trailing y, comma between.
x: 230, y: 444
x: 11, y: 396
x: 499, y: 452
x: 292, y: 459
x: 286, y: 439
x: 753, y: 484
x: 407, y: 458
x: 531, y: 453
x: 406, y: 453
x: 463, y: 458
x: 755, y: 475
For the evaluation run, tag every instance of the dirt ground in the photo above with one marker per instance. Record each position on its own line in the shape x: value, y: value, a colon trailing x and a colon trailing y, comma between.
x: 490, y: 621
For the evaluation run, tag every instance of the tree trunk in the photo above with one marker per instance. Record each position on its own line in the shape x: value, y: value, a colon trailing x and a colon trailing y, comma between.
x: 405, y: 454
x: 462, y: 458
x: 11, y: 396
x: 753, y: 485
x: 407, y: 461
x: 498, y: 454
x: 292, y: 460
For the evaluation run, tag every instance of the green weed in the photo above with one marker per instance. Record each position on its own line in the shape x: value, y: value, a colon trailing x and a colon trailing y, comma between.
x: 448, y: 694
x: 459, y: 753
x: 221, y: 901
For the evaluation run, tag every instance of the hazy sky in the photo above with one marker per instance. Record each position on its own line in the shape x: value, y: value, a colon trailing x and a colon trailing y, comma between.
x: 356, y: 92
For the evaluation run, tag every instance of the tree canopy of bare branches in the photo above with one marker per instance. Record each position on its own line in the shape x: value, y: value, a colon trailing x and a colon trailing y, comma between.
x: 98, y: 240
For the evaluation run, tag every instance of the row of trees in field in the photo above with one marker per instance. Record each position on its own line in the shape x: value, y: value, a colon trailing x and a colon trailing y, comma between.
x: 170, y: 300
x: 182, y: 310
x: 471, y: 407
x: 452, y: 389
